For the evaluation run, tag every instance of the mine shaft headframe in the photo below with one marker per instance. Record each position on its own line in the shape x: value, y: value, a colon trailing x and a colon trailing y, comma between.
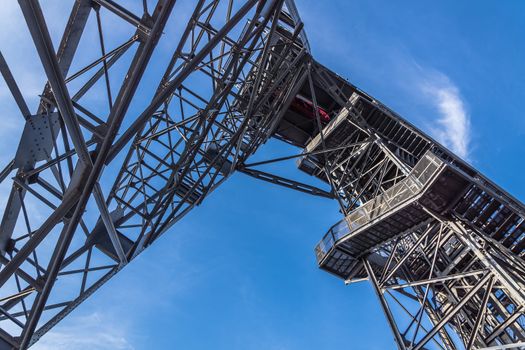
x: 241, y: 73
x: 442, y: 245
x: 451, y: 289
x: 61, y: 236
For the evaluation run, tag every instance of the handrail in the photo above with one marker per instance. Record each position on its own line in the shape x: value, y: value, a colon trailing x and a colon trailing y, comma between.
x: 404, y: 190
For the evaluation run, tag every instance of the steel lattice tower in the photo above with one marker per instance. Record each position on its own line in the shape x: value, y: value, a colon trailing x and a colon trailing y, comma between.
x: 442, y: 245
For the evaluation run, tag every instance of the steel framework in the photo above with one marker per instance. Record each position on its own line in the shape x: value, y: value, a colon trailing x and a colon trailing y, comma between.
x: 442, y: 245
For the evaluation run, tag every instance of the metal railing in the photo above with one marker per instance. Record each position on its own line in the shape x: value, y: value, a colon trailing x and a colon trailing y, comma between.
x: 396, y: 195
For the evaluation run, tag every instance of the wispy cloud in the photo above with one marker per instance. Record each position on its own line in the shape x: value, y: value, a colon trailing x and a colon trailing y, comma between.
x: 427, y: 96
x: 435, y: 102
x: 94, y: 331
x: 453, y: 125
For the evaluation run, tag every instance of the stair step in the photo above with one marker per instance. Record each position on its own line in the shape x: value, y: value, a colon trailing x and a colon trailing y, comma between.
x: 477, y: 206
x: 472, y: 194
x: 497, y: 220
x: 487, y: 212
x: 514, y: 234
x: 507, y: 225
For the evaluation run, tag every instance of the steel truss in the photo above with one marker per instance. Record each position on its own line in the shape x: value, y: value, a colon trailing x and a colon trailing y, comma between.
x: 442, y: 246
x: 214, y: 106
x: 440, y: 278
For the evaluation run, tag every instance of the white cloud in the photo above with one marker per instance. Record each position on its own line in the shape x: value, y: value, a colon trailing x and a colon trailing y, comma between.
x: 94, y: 331
x: 453, y: 124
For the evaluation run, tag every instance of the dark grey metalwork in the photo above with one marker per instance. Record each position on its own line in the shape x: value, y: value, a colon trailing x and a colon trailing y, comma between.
x: 442, y: 246
x: 440, y: 243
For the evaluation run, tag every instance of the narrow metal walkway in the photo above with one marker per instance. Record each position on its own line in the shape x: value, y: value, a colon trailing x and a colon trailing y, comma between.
x: 398, y: 209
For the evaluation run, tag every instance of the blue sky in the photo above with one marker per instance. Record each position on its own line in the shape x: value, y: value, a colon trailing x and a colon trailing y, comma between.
x: 239, y: 271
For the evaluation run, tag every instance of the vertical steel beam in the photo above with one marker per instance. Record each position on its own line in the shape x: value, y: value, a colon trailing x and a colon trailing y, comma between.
x: 67, y: 48
x: 38, y: 29
x: 400, y: 341
x: 481, y: 314
x: 453, y: 311
x: 33, y: 15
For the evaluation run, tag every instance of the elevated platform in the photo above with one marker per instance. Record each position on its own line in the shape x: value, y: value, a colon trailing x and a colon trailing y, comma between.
x: 360, y: 137
x: 433, y: 184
